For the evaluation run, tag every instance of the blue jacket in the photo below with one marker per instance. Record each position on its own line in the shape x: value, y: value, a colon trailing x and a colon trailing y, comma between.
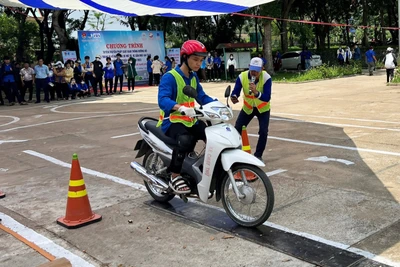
x: 108, y: 73
x: 118, y: 67
x: 217, y: 60
x: 7, y: 73
x: 149, y: 69
x: 82, y: 86
x: 169, y: 66
x: 167, y: 93
x: 73, y: 88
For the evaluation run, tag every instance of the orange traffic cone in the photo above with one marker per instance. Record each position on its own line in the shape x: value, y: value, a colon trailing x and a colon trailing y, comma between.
x: 2, y: 194
x: 245, y: 147
x: 79, y: 212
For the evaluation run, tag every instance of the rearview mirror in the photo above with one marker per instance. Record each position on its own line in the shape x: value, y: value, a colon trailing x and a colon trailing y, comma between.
x: 228, y: 91
x: 190, y: 91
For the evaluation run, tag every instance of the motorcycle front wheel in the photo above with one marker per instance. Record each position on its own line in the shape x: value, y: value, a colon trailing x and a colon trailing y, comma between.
x: 258, y: 202
x: 153, y: 163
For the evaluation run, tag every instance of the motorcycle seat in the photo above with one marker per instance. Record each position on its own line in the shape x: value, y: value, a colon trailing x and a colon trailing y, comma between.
x: 152, y: 127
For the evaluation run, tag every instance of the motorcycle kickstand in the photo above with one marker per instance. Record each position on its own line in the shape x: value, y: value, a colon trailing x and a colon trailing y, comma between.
x: 184, y: 198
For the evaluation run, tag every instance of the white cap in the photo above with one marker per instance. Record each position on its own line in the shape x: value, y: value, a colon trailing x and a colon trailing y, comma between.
x: 256, y: 64
x: 59, y: 63
x: 389, y: 49
x: 98, y: 56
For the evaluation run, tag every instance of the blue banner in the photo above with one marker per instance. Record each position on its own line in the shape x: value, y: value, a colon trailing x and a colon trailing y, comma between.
x: 136, y: 44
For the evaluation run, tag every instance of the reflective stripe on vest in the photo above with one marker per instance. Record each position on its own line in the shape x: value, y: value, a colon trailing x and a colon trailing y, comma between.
x: 250, y: 101
x: 181, y: 99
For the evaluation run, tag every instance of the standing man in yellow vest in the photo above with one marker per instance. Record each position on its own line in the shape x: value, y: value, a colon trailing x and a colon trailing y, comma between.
x: 256, y: 84
x: 177, y: 109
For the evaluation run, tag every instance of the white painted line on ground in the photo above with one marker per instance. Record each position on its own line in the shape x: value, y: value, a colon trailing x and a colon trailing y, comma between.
x: 125, y: 135
x: 54, y: 109
x: 87, y: 171
x: 43, y: 242
x: 339, y: 118
x: 325, y: 159
x: 275, y: 172
x: 270, y: 224
x: 332, y: 146
x: 339, y: 124
x: 14, y: 120
x: 12, y: 141
x: 37, y: 116
x: 75, y: 119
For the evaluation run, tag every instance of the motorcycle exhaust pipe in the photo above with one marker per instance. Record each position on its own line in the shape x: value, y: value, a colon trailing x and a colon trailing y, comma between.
x: 149, y: 177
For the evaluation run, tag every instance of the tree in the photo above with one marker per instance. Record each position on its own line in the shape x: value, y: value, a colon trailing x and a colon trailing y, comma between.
x: 58, y: 19
x: 98, y: 21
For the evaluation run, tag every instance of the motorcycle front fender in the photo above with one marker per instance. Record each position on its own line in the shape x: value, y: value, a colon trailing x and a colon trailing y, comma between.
x: 232, y: 156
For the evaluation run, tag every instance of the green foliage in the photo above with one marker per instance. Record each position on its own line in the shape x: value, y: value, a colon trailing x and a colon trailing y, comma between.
x: 396, y: 78
x: 320, y: 73
x: 9, y: 32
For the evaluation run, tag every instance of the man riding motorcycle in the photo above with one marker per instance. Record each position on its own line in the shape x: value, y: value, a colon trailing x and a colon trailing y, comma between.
x: 177, y: 109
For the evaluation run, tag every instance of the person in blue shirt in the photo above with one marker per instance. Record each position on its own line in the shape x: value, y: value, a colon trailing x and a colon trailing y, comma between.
x: 73, y: 88
x: 109, y: 75
x: 88, y: 70
x: 150, y: 70
x: 217, y: 67
x: 256, y: 84
x: 119, y: 73
x: 263, y: 60
x: 370, y: 59
x: 8, y: 74
x: 177, y: 109
x: 83, y: 89
x: 168, y: 64
x: 42, y: 73
x: 357, y: 53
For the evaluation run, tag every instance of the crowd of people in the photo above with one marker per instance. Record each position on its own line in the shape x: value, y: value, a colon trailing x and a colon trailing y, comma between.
x: 64, y: 81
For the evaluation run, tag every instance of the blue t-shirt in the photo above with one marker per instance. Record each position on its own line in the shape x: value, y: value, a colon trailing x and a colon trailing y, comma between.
x: 118, y: 67
x: 10, y: 76
x: 169, y: 65
x: 370, y: 56
x: 149, y: 69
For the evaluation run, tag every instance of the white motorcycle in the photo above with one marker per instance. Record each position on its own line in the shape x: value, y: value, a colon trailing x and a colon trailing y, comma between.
x: 221, y: 167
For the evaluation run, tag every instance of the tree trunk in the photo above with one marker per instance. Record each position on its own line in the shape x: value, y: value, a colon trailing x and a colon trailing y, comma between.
x: 383, y: 31
x: 268, y: 45
x: 22, y: 42
x: 286, y: 5
x: 83, y: 22
x: 365, y: 40
x: 58, y: 21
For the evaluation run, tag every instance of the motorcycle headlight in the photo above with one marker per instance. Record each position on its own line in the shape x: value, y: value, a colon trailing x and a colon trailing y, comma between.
x: 212, y: 115
x: 224, y: 113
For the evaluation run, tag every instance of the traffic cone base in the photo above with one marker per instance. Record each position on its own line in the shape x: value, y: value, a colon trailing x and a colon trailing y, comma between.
x: 245, y: 147
x: 2, y: 194
x: 76, y: 224
x: 78, y: 212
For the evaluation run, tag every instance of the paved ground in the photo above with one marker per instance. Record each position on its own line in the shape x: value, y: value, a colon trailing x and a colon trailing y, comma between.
x: 334, y: 144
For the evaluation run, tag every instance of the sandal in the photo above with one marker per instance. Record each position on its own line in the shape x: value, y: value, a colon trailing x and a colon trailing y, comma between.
x: 179, y: 185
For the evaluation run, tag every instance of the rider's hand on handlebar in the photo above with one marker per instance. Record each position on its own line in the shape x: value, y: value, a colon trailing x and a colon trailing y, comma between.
x: 187, y: 111
x: 234, y: 99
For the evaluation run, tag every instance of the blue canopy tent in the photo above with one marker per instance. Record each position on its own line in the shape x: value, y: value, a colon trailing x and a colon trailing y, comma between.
x: 166, y: 8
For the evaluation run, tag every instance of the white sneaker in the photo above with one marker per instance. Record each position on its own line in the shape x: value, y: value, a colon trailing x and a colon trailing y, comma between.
x: 219, y: 79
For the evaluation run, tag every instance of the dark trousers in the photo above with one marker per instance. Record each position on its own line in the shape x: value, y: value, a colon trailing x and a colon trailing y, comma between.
x: 121, y: 80
x: 157, y: 78
x: 210, y: 74
x: 109, y: 82
x: 263, y: 121
x: 217, y: 72
x: 13, y: 93
x: 178, y: 131
x: 59, y: 91
x: 150, y: 79
x: 389, y: 74
x: 232, y: 72
x: 42, y: 84
x: 98, y: 81
x: 28, y: 85
x: 89, y: 82
x: 1, y: 95
x: 131, y: 80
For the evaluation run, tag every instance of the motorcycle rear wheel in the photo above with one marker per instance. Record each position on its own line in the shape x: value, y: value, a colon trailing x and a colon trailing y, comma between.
x: 151, y: 167
x: 256, y: 207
